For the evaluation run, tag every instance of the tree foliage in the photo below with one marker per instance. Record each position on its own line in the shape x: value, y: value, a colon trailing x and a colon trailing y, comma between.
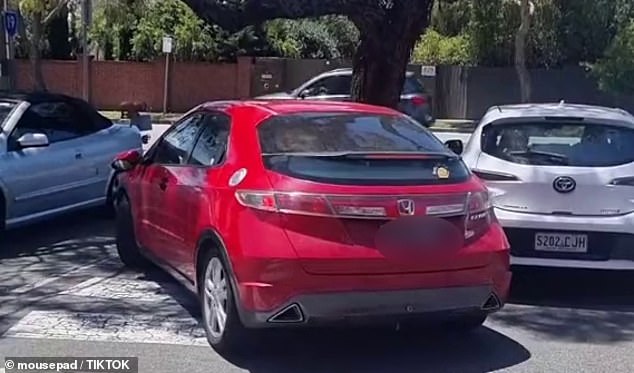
x: 436, y: 49
x: 388, y: 31
x: 40, y: 13
x: 326, y: 37
x: 615, y: 71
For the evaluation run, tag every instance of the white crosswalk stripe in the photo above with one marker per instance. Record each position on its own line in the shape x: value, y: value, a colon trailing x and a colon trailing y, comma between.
x: 170, y: 323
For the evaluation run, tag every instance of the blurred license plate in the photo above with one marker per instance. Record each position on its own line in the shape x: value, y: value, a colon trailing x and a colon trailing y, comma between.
x: 561, y: 242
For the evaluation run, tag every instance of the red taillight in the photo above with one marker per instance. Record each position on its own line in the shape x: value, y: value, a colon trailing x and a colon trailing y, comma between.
x: 310, y: 204
x: 475, y: 207
x: 479, y: 214
x: 419, y: 100
x: 302, y: 203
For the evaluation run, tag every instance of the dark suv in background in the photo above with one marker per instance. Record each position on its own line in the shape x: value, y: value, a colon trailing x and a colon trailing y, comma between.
x: 335, y: 85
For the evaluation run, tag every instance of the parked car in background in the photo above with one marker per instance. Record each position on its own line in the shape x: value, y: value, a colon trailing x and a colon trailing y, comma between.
x: 295, y: 213
x: 335, y: 85
x: 562, y: 182
x: 55, y: 156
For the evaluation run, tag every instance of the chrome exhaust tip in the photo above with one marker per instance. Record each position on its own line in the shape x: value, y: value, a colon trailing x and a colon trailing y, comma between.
x: 289, y: 314
x: 492, y: 303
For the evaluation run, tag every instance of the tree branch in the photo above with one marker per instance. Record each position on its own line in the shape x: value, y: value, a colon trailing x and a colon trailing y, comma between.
x: 234, y: 15
x: 54, y: 12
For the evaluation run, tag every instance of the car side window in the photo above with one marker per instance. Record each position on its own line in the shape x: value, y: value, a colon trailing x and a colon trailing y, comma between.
x: 211, y: 146
x: 332, y: 85
x: 176, y: 145
x: 59, y: 121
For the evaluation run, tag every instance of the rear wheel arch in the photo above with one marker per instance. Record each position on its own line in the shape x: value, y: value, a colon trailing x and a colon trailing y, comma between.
x: 210, y: 241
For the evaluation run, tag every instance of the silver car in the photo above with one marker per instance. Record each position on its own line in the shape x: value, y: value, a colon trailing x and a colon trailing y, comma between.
x: 55, y: 156
x: 335, y: 85
x: 561, y: 178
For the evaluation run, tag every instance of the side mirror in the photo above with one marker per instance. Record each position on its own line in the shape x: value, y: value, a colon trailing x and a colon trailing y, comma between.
x: 127, y: 161
x: 33, y: 140
x: 142, y: 122
x: 455, y: 146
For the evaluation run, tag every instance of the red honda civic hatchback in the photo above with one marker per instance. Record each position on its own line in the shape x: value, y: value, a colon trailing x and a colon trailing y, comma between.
x: 302, y: 213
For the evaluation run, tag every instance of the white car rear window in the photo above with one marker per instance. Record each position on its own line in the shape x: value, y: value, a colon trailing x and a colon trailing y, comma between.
x: 574, y: 144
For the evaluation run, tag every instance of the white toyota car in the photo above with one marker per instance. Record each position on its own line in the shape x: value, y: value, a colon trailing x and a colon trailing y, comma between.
x: 561, y: 178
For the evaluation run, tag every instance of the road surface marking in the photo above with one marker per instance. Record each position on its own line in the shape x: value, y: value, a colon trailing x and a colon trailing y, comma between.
x: 74, y: 270
x: 118, y: 288
x: 103, y: 327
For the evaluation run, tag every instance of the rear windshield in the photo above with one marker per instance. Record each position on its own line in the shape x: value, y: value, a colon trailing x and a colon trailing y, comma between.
x: 412, y: 85
x: 331, y: 147
x: 560, y: 144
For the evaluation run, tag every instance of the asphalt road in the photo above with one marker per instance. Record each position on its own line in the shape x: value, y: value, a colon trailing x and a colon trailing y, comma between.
x: 64, y: 293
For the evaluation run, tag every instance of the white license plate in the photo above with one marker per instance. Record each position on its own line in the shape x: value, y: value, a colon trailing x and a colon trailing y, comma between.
x: 561, y: 242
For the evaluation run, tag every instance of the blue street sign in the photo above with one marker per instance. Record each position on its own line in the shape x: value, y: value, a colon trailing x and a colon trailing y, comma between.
x: 11, y: 22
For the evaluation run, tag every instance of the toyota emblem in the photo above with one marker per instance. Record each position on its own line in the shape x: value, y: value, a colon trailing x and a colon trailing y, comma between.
x: 406, y: 207
x: 564, y: 184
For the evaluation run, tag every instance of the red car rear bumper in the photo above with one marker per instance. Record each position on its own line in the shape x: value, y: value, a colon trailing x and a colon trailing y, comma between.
x: 268, y: 287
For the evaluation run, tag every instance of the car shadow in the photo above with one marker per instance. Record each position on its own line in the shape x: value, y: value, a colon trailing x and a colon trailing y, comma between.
x: 54, y: 248
x: 571, y: 305
x: 381, y: 350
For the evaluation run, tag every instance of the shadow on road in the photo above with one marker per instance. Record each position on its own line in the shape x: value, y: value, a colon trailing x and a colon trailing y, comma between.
x: 53, y: 248
x: 572, y: 305
x: 364, y: 350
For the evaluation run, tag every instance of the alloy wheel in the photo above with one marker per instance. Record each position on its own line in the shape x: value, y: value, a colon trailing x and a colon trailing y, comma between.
x: 215, y: 298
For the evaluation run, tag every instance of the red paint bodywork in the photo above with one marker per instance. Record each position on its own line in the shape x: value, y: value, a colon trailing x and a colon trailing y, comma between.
x: 275, y: 256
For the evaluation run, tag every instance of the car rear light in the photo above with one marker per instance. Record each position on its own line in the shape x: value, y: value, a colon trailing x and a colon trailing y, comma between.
x: 479, y: 214
x: 351, y: 206
x: 494, y: 175
x: 310, y: 204
x: 419, y: 100
x: 626, y: 181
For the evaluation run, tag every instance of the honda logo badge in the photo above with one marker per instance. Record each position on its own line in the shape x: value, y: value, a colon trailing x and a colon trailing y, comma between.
x: 406, y: 207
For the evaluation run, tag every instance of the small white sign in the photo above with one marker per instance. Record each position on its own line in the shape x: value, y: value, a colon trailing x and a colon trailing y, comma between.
x: 428, y: 70
x: 167, y: 44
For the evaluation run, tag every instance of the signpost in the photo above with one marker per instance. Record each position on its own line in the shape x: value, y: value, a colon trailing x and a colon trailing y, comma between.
x: 167, y: 49
x: 10, y: 23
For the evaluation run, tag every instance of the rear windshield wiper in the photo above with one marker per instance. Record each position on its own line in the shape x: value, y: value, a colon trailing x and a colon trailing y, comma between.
x: 368, y: 155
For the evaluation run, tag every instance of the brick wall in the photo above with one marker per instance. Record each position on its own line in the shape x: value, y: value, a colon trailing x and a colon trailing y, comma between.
x: 113, y: 82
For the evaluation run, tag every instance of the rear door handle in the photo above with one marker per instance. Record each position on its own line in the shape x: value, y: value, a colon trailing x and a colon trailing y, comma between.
x: 78, y: 155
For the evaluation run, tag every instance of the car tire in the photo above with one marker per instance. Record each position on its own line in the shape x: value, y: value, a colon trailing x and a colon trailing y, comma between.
x: 127, y: 246
x: 217, y: 298
x: 109, y: 208
x: 468, y: 322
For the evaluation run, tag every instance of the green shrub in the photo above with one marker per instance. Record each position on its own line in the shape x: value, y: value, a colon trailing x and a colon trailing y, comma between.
x: 436, y: 49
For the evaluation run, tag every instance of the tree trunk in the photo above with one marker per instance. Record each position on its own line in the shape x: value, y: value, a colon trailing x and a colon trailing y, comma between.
x: 520, y: 51
x: 35, y: 53
x: 378, y: 77
x: 384, y: 51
